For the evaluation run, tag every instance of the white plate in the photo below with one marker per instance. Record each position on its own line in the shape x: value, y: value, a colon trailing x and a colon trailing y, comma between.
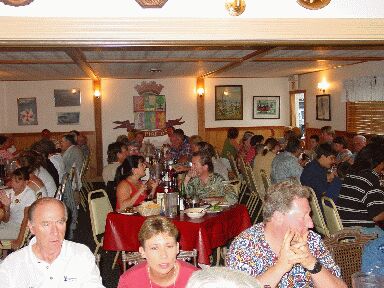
x: 128, y: 213
x: 213, y: 211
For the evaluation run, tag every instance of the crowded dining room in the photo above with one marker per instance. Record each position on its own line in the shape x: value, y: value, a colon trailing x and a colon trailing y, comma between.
x: 164, y: 143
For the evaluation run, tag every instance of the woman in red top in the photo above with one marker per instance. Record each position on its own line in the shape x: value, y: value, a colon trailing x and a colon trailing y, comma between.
x: 130, y: 190
x: 159, y: 246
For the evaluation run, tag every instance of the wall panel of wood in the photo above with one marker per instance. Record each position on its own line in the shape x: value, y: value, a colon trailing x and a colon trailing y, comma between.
x: 25, y: 140
x: 217, y: 136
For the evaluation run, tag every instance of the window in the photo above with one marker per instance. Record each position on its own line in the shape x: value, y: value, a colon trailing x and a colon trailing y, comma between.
x: 365, y: 117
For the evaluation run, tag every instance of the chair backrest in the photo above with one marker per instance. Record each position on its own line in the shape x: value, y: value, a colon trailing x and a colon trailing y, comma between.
x: 331, y: 215
x: 98, y: 210
x: 234, y: 168
x: 266, y: 179
x: 346, y: 247
x: 85, y: 166
x: 317, y: 215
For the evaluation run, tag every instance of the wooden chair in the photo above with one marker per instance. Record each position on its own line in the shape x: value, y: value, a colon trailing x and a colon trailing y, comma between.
x: 255, y: 200
x: 98, y: 210
x: 317, y: 215
x: 266, y: 180
x: 346, y: 247
x: 134, y: 258
x: 331, y: 215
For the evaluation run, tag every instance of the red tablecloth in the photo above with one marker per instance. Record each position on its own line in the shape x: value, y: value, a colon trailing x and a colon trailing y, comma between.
x: 203, y: 234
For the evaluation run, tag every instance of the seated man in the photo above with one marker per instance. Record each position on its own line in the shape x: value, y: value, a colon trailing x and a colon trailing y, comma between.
x: 317, y: 175
x: 180, y: 148
x: 201, y: 182
x: 286, y: 164
x: 49, y: 260
x: 282, y: 251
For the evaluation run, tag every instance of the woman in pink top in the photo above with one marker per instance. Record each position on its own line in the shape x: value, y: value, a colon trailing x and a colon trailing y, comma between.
x: 158, y: 244
x: 130, y: 190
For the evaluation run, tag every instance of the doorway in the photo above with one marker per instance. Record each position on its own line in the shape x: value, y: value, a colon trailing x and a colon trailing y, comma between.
x: 297, y: 109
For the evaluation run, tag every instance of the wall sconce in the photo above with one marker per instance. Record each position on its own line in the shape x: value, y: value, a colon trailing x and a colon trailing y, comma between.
x: 200, y: 87
x: 97, y: 88
x: 323, y: 85
x: 235, y: 7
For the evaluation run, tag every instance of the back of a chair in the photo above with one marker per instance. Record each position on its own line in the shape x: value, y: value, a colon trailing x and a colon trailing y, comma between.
x: 85, y: 166
x: 98, y: 210
x: 60, y: 190
x: 331, y: 215
x: 266, y: 180
x: 232, y: 162
x: 346, y: 247
x: 317, y: 215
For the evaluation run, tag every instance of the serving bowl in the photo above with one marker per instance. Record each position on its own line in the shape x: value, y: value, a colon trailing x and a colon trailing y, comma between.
x: 195, y: 213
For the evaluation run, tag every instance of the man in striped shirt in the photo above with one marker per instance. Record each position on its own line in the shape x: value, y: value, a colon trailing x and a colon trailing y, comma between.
x: 361, y: 200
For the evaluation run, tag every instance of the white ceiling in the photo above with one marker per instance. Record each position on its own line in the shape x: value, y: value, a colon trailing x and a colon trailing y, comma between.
x: 55, y: 63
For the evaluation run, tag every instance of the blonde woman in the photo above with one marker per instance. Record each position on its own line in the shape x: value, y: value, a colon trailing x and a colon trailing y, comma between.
x: 158, y: 245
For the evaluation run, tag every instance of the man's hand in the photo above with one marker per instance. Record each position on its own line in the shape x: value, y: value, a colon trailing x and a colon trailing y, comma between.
x: 300, y: 247
x: 287, y: 255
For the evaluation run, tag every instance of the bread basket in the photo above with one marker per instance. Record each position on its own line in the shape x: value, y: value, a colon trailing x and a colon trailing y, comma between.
x: 148, y: 208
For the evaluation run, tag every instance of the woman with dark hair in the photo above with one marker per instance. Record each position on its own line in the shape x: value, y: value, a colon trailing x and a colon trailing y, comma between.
x: 15, y: 203
x: 231, y: 146
x: 130, y: 190
x: 361, y: 202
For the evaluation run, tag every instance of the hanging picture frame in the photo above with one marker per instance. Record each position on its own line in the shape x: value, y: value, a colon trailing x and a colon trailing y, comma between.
x: 27, y: 111
x: 229, y: 102
x: 67, y: 97
x: 266, y: 107
x: 323, y: 107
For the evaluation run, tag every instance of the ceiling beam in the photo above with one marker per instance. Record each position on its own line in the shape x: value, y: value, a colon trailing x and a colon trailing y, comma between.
x: 246, y: 58
x: 318, y: 58
x: 79, y: 58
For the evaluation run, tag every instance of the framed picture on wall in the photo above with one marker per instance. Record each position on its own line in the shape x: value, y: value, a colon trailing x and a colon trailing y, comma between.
x: 266, y: 107
x: 67, y: 97
x: 27, y: 111
x: 68, y: 118
x: 323, y: 107
x: 229, y: 102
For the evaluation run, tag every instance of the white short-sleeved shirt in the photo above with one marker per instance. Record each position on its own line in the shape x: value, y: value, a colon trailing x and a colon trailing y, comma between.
x: 19, y: 202
x: 48, y: 181
x: 75, y: 267
x: 58, y: 162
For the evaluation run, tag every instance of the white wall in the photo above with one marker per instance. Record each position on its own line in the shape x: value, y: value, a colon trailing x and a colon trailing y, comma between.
x: 46, y: 110
x: 251, y: 87
x: 335, y: 78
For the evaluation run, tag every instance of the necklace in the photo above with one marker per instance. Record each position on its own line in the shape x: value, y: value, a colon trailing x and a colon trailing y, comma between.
x: 174, y: 276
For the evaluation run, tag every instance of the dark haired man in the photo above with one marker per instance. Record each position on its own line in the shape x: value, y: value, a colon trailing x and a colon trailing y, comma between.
x: 201, y: 182
x: 180, y: 149
x: 318, y: 174
x: 49, y: 260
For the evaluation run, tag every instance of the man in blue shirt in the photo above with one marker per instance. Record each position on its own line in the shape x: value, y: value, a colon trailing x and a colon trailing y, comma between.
x: 318, y: 174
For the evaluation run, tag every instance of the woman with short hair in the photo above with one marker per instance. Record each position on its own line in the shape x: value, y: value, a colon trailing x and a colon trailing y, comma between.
x: 158, y: 245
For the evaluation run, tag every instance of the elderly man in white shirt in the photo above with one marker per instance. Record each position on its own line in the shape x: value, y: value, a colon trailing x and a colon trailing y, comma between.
x: 49, y: 260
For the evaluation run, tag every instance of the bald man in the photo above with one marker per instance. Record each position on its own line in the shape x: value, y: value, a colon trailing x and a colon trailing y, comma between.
x: 49, y: 260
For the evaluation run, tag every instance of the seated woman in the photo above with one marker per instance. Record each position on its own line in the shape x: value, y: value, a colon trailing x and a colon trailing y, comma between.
x: 15, y: 203
x: 231, y: 146
x: 34, y: 162
x: 158, y: 245
x: 130, y: 190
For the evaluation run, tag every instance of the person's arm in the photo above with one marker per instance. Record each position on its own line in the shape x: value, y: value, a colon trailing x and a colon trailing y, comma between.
x: 123, y: 195
x: 325, y: 277
x: 15, y: 244
x: 7, y: 203
x: 379, y: 218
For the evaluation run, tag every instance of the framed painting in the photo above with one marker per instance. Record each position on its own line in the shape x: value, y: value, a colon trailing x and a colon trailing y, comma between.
x: 27, y: 111
x: 323, y: 107
x: 229, y: 102
x: 68, y: 118
x: 266, y: 107
x: 67, y: 97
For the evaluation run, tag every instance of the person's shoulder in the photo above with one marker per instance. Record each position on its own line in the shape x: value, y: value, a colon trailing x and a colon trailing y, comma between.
x: 253, y: 234
x: 136, y: 271
x: 74, y: 248
x: 15, y: 258
x: 185, y: 266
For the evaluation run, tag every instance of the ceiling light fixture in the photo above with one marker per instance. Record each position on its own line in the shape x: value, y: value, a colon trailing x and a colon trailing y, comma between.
x: 16, y: 3
x: 151, y: 3
x: 323, y: 85
x: 235, y: 7
x: 155, y: 70
x: 313, y: 4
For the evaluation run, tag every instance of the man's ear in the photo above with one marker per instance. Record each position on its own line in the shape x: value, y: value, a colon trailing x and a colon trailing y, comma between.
x: 31, y: 227
x: 142, y: 252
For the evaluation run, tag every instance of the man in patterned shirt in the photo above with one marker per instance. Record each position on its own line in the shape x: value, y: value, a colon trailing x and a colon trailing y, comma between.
x: 201, y: 182
x: 180, y: 149
x: 282, y: 251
